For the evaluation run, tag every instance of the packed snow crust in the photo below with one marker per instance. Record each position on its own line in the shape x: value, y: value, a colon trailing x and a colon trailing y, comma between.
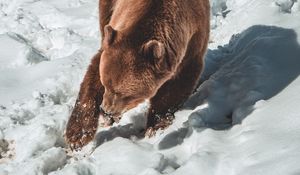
x: 243, y: 119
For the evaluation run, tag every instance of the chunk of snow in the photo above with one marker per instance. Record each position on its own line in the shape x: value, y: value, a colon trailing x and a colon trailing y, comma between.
x: 16, y: 51
x: 285, y: 5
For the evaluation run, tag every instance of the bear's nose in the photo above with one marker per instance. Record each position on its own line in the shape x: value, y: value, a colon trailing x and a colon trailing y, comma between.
x: 105, y: 109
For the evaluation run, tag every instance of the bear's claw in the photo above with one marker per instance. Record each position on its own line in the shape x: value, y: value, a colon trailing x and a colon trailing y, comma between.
x: 81, y: 128
x: 161, y: 123
x: 77, y: 139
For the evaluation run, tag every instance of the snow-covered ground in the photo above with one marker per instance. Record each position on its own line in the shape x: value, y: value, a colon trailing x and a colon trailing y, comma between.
x: 251, y: 79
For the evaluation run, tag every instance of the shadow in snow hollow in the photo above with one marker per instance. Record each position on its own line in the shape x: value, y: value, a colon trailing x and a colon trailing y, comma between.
x: 255, y: 65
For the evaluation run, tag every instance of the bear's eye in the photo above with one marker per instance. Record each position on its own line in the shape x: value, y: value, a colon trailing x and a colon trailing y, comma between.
x: 118, y: 94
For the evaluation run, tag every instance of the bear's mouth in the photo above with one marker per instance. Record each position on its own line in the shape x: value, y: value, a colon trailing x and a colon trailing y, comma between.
x: 115, y: 117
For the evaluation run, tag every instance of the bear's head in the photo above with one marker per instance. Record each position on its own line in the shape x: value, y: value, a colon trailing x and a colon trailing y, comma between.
x: 130, y: 72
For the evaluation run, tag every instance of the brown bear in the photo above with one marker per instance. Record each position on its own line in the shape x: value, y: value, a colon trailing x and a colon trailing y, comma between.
x: 151, y: 49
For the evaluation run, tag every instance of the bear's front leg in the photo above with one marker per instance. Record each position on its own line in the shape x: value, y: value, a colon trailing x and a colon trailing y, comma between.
x: 172, y: 94
x: 164, y: 104
x: 83, y: 122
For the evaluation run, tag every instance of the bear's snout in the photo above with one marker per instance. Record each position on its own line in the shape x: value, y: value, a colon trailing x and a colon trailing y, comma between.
x: 104, y: 109
x: 108, y: 108
x: 111, y: 104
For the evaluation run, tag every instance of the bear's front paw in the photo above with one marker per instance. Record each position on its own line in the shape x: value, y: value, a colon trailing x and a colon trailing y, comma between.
x: 150, y: 132
x: 76, y: 139
x: 81, y: 129
x: 160, y: 122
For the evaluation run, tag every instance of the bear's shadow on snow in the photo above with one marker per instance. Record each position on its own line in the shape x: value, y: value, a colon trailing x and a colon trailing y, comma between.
x: 133, y: 130
x: 256, y: 65
x: 125, y: 131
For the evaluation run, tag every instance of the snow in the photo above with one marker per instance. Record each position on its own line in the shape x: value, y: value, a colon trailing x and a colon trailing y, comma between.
x: 251, y: 74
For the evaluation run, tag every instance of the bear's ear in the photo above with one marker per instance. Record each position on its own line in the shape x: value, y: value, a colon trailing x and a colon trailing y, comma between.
x: 154, y: 49
x: 109, y: 35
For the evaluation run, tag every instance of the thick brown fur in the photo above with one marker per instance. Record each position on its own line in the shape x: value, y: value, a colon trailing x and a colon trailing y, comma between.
x: 152, y: 49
